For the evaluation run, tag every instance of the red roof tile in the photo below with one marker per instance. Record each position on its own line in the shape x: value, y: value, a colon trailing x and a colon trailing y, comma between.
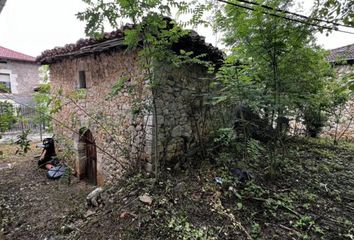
x: 191, y: 42
x: 6, y: 53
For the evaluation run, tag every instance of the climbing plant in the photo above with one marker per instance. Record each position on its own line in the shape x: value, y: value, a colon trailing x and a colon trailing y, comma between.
x: 151, y: 34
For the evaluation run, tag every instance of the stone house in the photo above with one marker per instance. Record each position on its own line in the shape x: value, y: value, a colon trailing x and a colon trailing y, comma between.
x: 342, y: 59
x: 19, y: 75
x: 111, y: 133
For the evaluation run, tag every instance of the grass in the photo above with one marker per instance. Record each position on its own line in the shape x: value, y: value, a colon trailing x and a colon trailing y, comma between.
x: 7, y: 153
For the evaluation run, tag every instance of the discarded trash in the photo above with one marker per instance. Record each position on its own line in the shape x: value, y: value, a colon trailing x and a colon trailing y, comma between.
x: 145, y: 199
x: 67, y: 228
x: 219, y: 180
x: 242, y: 175
x: 56, y: 172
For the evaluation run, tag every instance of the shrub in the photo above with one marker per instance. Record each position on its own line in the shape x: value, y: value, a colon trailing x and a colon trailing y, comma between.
x: 314, y: 121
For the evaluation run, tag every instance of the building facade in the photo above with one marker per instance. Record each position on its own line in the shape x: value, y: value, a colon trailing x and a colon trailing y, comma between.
x: 140, y: 125
x: 18, y: 77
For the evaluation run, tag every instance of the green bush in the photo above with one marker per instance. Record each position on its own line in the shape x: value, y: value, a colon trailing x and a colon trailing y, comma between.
x: 314, y: 121
x: 7, y: 116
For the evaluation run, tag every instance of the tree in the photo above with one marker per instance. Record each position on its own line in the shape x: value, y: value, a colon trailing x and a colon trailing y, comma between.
x: 7, y: 116
x: 288, y: 69
x: 337, y: 11
x: 7, y: 113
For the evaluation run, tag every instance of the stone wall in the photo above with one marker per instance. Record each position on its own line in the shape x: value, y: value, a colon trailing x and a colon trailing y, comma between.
x: 123, y: 126
x: 345, y: 128
x: 183, y: 115
x: 116, y: 128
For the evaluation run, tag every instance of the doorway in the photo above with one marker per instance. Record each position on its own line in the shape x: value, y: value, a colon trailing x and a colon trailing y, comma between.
x: 90, y: 155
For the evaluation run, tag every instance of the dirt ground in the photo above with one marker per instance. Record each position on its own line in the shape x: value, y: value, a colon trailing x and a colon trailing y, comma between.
x: 306, y: 192
x: 31, y: 205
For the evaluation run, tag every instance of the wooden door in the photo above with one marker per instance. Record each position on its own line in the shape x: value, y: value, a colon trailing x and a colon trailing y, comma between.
x: 91, y: 158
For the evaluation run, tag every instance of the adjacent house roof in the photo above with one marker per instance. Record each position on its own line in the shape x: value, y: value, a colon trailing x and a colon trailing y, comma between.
x: 115, y: 40
x: 345, y: 53
x: 6, y: 53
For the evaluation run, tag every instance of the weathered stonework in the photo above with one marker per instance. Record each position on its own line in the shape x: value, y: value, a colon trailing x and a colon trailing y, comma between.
x: 182, y: 111
x: 102, y: 72
x: 124, y: 126
x: 343, y: 126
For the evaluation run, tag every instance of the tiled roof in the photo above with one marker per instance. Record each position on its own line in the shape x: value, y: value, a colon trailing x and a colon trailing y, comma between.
x: 81, y: 47
x: 115, y: 40
x: 6, y: 53
x: 341, y: 54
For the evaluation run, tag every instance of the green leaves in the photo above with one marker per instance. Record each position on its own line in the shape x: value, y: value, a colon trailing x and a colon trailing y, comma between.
x: 336, y: 11
x: 132, y: 38
x: 274, y: 65
x: 7, y: 116
x: 23, y: 142
x: 117, y: 87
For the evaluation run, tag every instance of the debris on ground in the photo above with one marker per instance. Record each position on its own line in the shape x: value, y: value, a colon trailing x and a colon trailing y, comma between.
x: 31, y: 205
x: 307, y: 195
x: 94, y: 197
x: 5, y: 166
x: 145, y: 199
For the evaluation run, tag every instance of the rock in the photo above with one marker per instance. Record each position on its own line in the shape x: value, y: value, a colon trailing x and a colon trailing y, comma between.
x: 5, y: 166
x: 148, y: 167
x: 180, y: 187
x: 133, y: 193
x: 67, y: 228
x: 94, y: 197
x: 242, y: 175
x: 181, y: 131
x: 176, y: 131
x: 89, y: 213
x: 145, y: 199
x: 78, y: 223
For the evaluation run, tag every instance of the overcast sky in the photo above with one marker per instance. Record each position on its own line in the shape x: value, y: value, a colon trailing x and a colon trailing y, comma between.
x: 32, y: 26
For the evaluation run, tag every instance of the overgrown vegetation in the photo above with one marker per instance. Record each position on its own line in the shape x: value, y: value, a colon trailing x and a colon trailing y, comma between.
x: 274, y: 69
x: 258, y: 185
x: 23, y: 142
x: 42, y: 99
x: 307, y: 196
x: 7, y: 116
x: 252, y: 179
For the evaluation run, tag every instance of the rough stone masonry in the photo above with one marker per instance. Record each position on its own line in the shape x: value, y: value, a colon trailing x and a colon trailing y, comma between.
x: 123, y: 125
